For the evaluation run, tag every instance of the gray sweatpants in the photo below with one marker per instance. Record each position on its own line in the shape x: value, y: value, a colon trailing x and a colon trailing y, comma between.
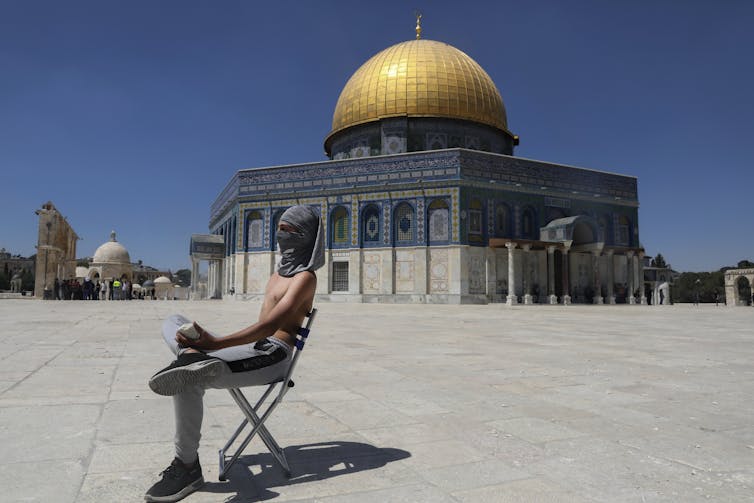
x: 189, y: 407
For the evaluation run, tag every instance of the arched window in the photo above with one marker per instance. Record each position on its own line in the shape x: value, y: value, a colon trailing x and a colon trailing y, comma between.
x: 254, y: 230
x: 439, y: 219
x: 502, y: 221
x: 604, y: 229
x: 339, y: 227
x: 528, y: 222
x: 475, y: 220
x: 624, y: 231
x: 274, y: 228
x: 404, y: 223
x: 370, y: 224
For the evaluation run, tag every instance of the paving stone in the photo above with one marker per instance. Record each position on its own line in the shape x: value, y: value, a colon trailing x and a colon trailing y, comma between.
x: 41, y: 481
x: 417, y: 493
x: 469, y: 476
x: 528, y: 490
x: 534, y: 430
x: 443, y: 453
x: 405, y: 434
x: 363, y: 414
x: 63, y: 384
x: 39, y: 433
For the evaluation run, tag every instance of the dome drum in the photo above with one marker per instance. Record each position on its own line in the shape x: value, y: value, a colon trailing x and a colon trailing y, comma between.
x: 415, y: 134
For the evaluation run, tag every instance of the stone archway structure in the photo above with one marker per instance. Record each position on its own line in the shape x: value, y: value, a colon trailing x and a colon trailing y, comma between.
x: 56, y: 250
x: 732, y: 277
x: 210, y: 247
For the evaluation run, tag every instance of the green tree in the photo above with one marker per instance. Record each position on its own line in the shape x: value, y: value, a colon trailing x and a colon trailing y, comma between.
x: 706, y: 284
x: 659, y: 261
x: 4, y: 281
x: 82, y: 262
x: 745, y: 264
x: 27, y: 280
x: 184, y: 277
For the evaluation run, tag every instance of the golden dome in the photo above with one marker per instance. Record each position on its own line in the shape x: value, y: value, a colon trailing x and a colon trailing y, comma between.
x: 419, y: 78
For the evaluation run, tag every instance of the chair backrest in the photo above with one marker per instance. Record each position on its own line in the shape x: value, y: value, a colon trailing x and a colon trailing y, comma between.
x: 301, y: 335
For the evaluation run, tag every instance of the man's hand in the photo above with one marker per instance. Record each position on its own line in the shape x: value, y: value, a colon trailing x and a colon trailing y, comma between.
x: 205, y: 341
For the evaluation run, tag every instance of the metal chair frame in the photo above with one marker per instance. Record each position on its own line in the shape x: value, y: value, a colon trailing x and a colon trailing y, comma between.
x: 252, y: 413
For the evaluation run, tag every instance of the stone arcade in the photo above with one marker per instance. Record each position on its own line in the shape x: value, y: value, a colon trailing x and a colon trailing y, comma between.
x: 423, y: 200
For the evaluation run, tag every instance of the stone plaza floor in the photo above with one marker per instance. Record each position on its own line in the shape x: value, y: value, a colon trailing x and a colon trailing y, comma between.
x: 414, y: 403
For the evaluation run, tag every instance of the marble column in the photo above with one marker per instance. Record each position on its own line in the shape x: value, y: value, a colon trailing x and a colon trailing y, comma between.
x: 566, y: 272
x: 219, y: 280
x: 210, y: 278
x: 512, y: 299
x: 245, y: 277
x: 551, y: 275
x: 525, y: 277
x: 597, y: 299
x: 194, y: 279
x: 630, y: 272
x: 610, y: 277
x: 490, y: 271
x: 640, y: 271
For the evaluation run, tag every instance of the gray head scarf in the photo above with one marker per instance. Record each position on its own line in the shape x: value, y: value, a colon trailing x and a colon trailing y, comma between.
x: 303, y: 250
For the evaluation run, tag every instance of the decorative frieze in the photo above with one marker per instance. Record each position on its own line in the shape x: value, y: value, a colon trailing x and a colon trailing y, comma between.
x: 539, y: 174
x: 355, y: 219
x: 386, y: 225
x: 557, y: 202
x: 420, y: 220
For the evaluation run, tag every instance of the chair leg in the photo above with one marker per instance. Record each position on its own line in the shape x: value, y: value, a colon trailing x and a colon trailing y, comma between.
x: 258, y: 427
x: 223, y: 469
x: 275, y: 449
x: 263, y: 432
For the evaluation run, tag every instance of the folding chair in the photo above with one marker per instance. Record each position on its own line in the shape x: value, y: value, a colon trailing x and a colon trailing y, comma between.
x: 252, y: 413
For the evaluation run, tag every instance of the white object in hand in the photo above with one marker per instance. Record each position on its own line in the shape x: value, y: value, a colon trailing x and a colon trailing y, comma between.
x: 188, y: 330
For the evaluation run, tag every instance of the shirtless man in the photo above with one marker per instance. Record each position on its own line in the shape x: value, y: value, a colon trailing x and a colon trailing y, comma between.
x: 256, y: 355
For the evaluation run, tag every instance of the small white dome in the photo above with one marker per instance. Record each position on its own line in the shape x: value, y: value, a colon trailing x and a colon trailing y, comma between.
x: 163, y: 280
x: 112, y: 252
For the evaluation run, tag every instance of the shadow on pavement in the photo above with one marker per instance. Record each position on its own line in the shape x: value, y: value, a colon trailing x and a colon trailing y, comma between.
x: 309, y: 462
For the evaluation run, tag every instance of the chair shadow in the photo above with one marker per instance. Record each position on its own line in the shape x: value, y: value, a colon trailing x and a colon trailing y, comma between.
x: 309, y: 462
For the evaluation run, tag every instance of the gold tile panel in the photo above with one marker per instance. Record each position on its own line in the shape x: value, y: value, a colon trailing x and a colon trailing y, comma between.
x: 423, y: 78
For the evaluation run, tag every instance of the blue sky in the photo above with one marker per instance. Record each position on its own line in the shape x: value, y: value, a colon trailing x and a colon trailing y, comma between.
x: 132, y: 115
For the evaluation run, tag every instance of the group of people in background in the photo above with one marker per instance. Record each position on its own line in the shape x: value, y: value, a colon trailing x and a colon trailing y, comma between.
x: 114, y: 289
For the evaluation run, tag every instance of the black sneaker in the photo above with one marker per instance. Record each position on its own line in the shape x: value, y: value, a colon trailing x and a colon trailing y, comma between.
x: 187, y: 370
x: 177, y: 482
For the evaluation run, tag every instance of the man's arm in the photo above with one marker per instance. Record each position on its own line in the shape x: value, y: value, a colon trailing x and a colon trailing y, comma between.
x: 299, y: 291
